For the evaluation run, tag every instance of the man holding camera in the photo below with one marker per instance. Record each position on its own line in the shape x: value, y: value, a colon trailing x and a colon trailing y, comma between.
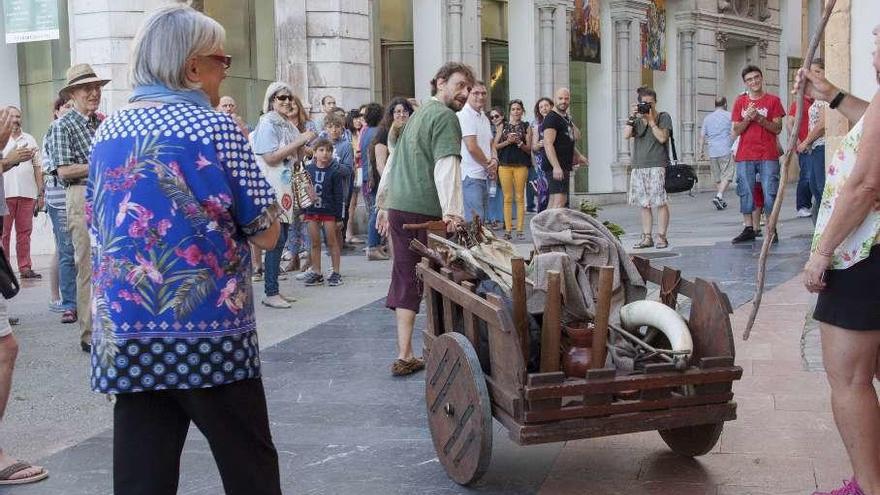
x: 650, y: 131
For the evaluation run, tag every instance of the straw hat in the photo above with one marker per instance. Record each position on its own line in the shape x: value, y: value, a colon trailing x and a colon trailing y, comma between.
x: 80, y: 74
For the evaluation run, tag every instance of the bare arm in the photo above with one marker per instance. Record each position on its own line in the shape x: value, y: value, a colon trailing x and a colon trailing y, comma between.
x: 73, y: 172
x: 774, y: 126
x: 662, y: 135
x: 740, y: 127
x: 470, y: 142
x: 497, y: 141
x: 537, y: 143
x: 381, y: 157
x: 550, y: 148
x: 274, y: 158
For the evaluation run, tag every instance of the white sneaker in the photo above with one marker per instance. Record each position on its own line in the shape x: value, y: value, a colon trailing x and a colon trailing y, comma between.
x: 804, y: 213
x: 276, y: 301
x: 302, y: 275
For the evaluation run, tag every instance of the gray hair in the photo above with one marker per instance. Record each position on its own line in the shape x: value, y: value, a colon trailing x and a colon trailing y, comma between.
x: 169, y: 37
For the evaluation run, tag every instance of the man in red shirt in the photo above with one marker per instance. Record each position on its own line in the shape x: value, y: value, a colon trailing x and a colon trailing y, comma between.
x: 804, y: 201
x: 757, y: 120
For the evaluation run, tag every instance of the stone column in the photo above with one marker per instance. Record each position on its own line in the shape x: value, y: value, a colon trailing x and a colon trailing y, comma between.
x: 454, y: 48
x: 340, y: 53
x: 291, y: 46
x: 620, y: 61
x: 688, y: 95
x: 561, y: 44
x: 545, y: 64
x: 721, y: 39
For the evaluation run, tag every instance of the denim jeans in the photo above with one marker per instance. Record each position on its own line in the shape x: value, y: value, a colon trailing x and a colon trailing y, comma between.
x: 296, y: 235
x: 272, y: 265
x: 816, y: 160
x: 803, y: 194
x: 476, y: 198
x: 373, y: 238
x: 66, y: 260
x: 745, y: 183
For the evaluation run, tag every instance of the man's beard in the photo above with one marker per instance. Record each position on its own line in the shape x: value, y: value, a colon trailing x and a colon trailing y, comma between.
x: 455, y: 104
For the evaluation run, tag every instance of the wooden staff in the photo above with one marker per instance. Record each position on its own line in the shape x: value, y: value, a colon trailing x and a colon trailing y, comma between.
x: 786, y: 160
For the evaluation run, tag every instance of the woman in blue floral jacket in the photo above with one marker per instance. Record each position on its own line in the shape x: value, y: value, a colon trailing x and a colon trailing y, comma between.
x: 174, y: 196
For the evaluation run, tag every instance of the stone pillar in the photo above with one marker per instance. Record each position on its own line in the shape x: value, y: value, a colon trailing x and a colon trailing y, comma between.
x: 545, y: 63
x: 561, y: 44
x: 472, y: 37
x: 291, y: 46
x: 454, y: 48
x: 340, y: 53
x: 688, y: 95
x: 626, y: 15
x: 430, y: 42
x: 721, y: 39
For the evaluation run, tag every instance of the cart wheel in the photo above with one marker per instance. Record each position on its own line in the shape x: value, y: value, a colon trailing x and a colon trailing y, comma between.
x: 692, y: 441
x: 459, y: 410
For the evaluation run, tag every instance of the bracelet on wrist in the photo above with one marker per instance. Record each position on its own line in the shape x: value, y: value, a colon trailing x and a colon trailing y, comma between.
x: 826, y: 254
x: 837, y: 100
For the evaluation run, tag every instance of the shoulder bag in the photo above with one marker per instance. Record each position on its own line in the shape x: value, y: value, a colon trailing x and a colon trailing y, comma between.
x: 301, y: 183
x: 679, y: 177
x: 8, y: 283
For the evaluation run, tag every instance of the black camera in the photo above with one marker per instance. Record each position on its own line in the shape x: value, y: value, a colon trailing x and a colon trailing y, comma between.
x: 643, y: 107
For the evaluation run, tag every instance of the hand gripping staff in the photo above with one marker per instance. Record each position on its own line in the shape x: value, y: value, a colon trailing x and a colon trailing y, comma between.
x: 770, y: 228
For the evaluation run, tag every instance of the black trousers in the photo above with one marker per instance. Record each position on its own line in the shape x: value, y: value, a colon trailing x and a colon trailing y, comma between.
x: 149, y: 430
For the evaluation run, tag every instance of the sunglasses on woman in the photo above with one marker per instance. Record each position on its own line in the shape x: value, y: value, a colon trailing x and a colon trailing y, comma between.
x: 226, y: 60
x: 494, y: 116
x: 283, y: 97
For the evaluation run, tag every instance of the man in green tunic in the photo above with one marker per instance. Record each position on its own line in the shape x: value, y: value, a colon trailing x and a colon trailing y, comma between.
x: 423, y: 184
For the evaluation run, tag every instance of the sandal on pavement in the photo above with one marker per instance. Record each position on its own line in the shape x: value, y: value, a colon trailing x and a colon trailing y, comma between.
x: 662, y: 242
x: 69, y: 316
x: 6, y: 474
x: 646, y: 242
x: 26, y: 274
x: 403, y: 367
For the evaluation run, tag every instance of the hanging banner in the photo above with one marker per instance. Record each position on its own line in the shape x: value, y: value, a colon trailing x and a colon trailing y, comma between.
x: 586, y: 37
x: 30, y: 20
x: 654, y: 37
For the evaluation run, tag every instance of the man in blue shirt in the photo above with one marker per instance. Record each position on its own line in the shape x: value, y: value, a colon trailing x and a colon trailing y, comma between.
x: 716, y: 134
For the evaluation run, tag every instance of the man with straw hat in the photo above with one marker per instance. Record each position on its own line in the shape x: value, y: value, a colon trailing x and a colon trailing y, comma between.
x: 70, y: 141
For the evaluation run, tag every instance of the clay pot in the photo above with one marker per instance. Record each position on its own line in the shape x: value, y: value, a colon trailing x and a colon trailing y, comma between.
x: 577, y: 355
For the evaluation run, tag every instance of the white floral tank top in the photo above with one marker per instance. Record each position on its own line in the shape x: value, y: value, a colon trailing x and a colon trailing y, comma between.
x: 857, y: 246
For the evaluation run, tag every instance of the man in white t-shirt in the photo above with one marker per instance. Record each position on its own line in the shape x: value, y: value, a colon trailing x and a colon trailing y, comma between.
x: 24, y: 193
x: 478, y: 160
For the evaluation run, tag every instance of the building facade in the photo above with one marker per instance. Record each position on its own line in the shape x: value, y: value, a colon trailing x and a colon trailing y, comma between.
x: 358, y: 51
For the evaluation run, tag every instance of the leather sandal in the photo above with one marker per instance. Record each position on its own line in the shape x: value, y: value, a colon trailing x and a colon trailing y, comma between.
x: 646, y: 242
x: 662, y: 242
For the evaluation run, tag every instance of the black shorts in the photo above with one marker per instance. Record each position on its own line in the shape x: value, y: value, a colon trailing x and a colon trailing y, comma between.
x: 851, y: 298
x: 557, y: 186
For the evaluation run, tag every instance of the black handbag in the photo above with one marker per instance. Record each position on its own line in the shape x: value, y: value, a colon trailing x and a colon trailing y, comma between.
x: 679, y: 177
x: 8, y: 283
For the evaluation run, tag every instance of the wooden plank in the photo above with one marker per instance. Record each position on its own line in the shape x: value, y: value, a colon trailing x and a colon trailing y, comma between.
x: 670, y: 280
x: 657, y: 393
x: 545, y: 378
x: 507, y: 400
x: 508, y: 367
x: 624, y: 407
x: 470, y: 321
x: 446, y: 289
x: 575, y: 429
x: 518, y: 295
x: 709, y: 323
x: 716, y: 362
x: 601, y: 373
x: 552, y: 326
x: 655, y: 275
x: 603, y: 311
x: 691, y: 376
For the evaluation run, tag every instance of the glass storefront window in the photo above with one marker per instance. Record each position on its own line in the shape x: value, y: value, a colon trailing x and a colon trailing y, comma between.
x: 496, y: 73
x: 42, y: 67
x: 250, y: 40
x: 395, y: 25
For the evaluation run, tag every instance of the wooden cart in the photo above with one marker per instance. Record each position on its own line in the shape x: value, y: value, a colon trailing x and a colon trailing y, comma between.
x: 687, y: 407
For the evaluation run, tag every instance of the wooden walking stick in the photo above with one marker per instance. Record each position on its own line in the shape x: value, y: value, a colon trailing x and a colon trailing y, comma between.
x: 786, y: 160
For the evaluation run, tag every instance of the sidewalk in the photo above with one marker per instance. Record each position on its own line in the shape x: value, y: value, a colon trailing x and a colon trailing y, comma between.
x: 343, y: 425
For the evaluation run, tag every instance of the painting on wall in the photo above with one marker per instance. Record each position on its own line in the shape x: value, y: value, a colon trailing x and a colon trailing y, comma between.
x: 654, y: 37
x: 586, y: 37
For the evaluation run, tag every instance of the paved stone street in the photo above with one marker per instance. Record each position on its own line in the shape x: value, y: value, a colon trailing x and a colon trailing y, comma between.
x: 343, y: 425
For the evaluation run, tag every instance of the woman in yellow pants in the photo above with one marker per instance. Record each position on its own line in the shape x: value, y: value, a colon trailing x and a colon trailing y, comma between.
x: 513, y: 142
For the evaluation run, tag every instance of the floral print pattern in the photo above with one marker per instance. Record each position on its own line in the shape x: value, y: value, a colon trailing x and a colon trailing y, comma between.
x: 857, y: 246
x: 173, y: 193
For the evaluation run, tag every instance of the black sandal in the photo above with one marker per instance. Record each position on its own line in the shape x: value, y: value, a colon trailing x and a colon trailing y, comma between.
x: 662, y: 241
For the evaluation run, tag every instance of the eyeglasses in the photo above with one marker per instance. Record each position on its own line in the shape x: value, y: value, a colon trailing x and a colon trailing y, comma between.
x: 226, y: 60
x: 283, y: 97
x: 494, y: 116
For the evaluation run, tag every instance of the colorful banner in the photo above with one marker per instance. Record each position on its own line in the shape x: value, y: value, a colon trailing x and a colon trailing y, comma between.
x: 654, y: 37
x: 586, y: 37
x: 31, y: 20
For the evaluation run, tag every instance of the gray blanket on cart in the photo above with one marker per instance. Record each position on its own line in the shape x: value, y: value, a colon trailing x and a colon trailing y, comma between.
x: 576, y: 245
